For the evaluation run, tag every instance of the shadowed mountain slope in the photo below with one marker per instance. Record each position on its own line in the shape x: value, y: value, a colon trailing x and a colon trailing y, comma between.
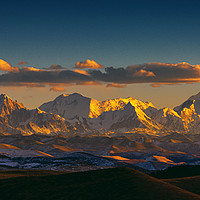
x: 179, y: 171
x: 191, y: 184
x: 117, y: 183
x: 76, y: 114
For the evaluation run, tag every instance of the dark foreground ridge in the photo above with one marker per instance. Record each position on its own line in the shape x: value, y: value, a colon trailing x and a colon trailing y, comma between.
x: 115, y: 183
x: 179, y: 171
x: 191, y: 184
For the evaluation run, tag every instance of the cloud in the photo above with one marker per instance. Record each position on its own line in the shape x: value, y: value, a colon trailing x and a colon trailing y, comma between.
x: 31, y: 69
x: 60, y: 84
x: 4, y: 66
x: 155, y: 85
x: 164, y: 73
x: 142, y: 73
x: 57, y: 89
x: 81, y: 72
x: 88, y: 64
x: 116, y: 85
x: 156, y: 74
x: 22, y: 63
x: 34, y: 77
x: 54, y: 66
x: 167, y: 72
x: 111, y: 74
x: 89, y: 83
x: 21, y: 84
x: 44, y: 77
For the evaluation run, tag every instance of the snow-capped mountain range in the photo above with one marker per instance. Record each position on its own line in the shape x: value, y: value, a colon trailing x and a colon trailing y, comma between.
x: 75, y: 113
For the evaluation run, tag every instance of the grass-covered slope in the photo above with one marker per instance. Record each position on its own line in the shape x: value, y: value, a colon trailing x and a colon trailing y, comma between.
x: 5, y: 174
x: 179, y: 171
x: 115, y: 183
x: 191, y: 184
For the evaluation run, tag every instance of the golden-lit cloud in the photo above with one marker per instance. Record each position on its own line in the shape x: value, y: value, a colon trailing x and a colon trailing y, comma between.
x: 116, y: 85
x: 4, y: 66
x: 22, y: 63
x: 89, y: 83
x: 156, y: 74
x: 22, y: 84
x: 160, y: 73
x: 30, y: 85
x: 155, y: 85
x: 81, y: 72
x: 31, y: 69
x: 57, y: 89
x: 142, y: 73
x: 89, y: 64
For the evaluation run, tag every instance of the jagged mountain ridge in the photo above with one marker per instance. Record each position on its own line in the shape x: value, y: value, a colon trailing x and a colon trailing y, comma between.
x: 110, y: 114
x: 189, y: 111
x: 114, y: 115
x: 76, y: 113
x: 17, y: 119
x: 69, y: 106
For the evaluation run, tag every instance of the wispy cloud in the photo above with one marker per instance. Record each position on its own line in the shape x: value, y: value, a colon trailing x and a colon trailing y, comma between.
x: 116, y: 85
x: 54, y: 66
x: 89, y: 83
x: 22, y: 63
x: 81, y: 72
x: 155, y: 85
x: 89, y: 64
x: 22, y: 84
x: 57, y: 89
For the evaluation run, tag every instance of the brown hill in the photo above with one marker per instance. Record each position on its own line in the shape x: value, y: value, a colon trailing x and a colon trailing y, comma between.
x: 191, y: 184
x: 116, y: 183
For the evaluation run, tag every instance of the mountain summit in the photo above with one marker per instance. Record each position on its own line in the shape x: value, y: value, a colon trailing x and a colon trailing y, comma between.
x: 189, y: 111
x: 102, y: 114
x: 17, y: 119
x: 125, y: 113
x: 75, y: 113
x: 195, y: 97
x: 8, y: 106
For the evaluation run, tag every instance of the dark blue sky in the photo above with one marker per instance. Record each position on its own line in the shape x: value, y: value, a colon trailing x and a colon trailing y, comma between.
x: 113, y: 33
